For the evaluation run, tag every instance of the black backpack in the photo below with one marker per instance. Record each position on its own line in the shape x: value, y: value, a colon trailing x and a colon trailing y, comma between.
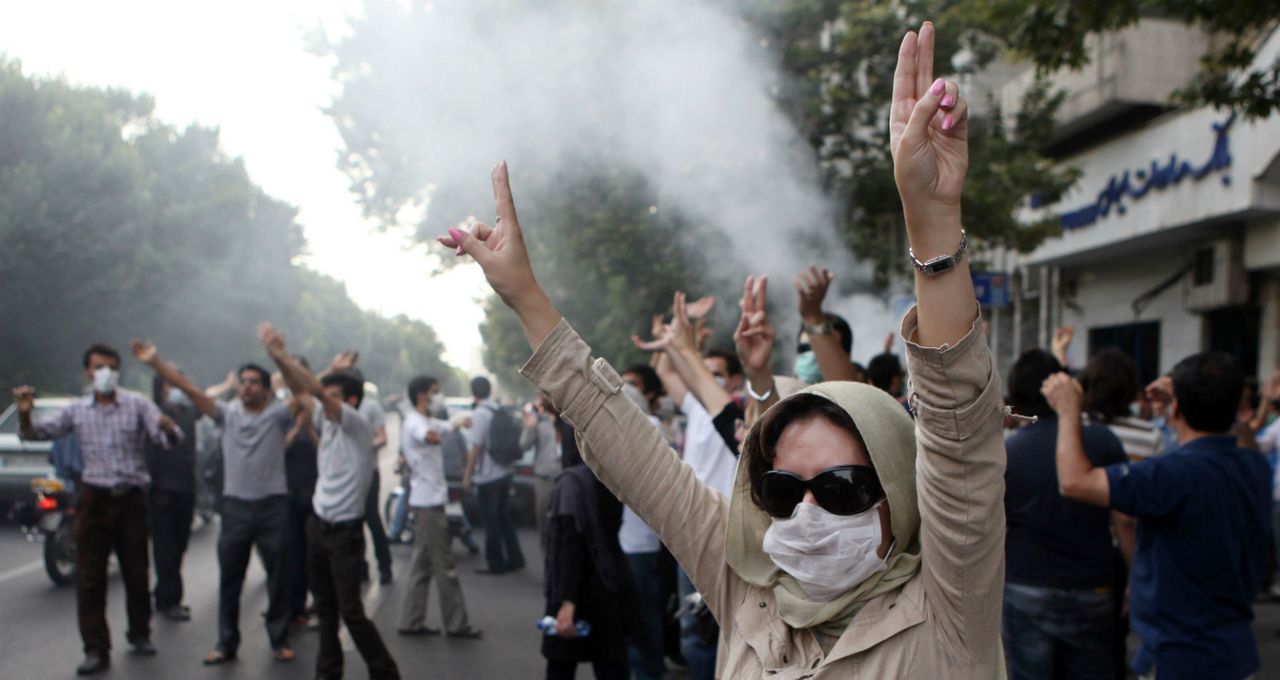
x: 504, y: 435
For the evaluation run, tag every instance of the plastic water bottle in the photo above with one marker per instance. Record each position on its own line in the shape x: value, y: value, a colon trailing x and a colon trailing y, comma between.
x: 547, y: 625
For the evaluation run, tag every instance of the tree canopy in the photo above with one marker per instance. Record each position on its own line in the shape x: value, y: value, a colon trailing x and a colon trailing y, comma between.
x: 115, y: 226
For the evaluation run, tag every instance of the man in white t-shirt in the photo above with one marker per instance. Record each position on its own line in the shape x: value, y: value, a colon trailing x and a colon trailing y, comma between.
x: 335, y: 536
x: 420, y: 437
x: 492, y: 482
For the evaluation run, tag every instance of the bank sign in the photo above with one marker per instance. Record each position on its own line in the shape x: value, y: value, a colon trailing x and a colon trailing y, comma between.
x: 1132, y: 185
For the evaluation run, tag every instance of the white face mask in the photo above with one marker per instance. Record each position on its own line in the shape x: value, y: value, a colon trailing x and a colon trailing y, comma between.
x: 436, y: 403
x: 282, y: 394
x: 105, y: 380
x: 827, y: 554
x: 178, y: 398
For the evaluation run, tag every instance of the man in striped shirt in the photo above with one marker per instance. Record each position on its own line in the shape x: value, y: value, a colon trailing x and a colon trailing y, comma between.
x: 112, y: 426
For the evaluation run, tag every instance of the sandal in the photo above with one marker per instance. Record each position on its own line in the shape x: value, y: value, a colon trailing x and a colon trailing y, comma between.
x: 283, y: 655
x: 218, y: 657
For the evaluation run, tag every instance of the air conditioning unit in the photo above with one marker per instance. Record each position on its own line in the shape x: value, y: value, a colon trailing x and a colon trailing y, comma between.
x: 1218, y: 277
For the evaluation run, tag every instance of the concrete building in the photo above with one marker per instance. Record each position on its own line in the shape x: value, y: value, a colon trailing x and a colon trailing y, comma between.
x: 1171, y: 237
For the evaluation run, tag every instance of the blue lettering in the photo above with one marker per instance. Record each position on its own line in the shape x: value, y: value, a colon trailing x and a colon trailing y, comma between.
x: 1133, y: 185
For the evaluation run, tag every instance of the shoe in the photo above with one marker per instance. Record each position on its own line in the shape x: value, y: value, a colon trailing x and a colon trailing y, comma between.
x: 176, y: 613
x: 420, y: 630
x: 283, y: 654
x: 467, y: 633
x: 93, y: 664
x: 218, y: 657
x: 385, y: 577
x: 518, y: 567
x: 143, y: 647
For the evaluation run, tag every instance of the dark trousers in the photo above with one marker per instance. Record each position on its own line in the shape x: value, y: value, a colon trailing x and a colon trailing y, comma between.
x: 334, y: 564
x: 245, y: 525
x: 295, y: 553
x: 645, y: 643
x: 501, y: 545
x: 171, y: 515
x: 372, y: 516
x: 604, y: 670
x: 1053, y: 633
x: 107, y: 522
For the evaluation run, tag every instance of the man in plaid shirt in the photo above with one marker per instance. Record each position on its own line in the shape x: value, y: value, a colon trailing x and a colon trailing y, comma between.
x: 112, y: 426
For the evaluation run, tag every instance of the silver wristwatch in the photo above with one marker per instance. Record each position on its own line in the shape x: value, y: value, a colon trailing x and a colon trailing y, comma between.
x: 941, y: 263
x: 817, y: 328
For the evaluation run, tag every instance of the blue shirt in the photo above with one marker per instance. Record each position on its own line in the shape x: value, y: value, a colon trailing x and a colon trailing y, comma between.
x: 1202, y: 539
x: 1053, y: 541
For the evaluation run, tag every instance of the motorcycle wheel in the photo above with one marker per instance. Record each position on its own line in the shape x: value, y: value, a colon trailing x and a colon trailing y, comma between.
x: 60, y: 555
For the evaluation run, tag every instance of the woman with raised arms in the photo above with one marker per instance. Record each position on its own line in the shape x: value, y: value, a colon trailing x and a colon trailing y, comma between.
x: 856, y: 543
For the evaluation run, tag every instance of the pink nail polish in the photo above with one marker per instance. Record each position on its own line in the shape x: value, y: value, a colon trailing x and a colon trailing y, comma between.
x: 455, y: 234
x: 948, y: 123
x: 948, y: 101
x: 938, y: 86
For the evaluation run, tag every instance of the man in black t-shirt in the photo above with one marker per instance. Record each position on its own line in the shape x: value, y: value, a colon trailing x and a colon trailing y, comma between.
x: 1058, y: 603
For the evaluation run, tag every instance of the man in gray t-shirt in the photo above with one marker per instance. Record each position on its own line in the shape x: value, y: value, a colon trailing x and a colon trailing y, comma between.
x: 255, y: 506
x: 335, y: 534
x: 253, y: 449
x: 345, y: 462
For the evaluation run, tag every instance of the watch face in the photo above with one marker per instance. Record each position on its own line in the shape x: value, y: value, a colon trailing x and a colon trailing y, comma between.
x: 939, y: 265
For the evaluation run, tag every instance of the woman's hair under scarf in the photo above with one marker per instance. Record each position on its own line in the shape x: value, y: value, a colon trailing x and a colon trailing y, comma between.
x: 594, y: 512
x: 889, y: 435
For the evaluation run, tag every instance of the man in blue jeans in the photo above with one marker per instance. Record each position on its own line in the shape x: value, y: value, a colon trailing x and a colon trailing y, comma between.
x: 1202, y: 521
x: 492, y: 482
x: 1058, y: 603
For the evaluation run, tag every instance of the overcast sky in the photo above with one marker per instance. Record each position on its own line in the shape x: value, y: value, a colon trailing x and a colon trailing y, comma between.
x: 240, y: 65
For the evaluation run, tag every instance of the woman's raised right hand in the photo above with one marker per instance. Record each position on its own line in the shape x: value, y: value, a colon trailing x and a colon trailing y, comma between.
x: 499, y: 249
x: 501, y: 253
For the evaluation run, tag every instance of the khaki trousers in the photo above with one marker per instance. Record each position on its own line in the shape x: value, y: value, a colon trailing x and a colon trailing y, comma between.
x: 432, y: 557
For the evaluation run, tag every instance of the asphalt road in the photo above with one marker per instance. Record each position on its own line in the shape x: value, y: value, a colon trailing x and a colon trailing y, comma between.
x: 39, y: 638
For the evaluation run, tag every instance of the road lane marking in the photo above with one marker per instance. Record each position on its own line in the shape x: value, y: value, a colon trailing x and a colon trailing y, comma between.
x: 19, y: 572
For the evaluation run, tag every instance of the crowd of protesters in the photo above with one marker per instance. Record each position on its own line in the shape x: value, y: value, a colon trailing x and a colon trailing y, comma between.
x: 920, y: 520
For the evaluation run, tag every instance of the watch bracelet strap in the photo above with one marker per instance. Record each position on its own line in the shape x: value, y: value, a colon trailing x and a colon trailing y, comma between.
x: 960, y: 251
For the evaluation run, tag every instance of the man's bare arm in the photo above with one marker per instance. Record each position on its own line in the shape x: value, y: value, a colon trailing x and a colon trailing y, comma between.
x: 296, y: 376
x: 147, y: 353
x: 1077, y: 476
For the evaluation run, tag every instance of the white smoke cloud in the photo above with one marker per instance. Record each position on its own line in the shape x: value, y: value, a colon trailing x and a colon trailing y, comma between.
x: 679, y: 91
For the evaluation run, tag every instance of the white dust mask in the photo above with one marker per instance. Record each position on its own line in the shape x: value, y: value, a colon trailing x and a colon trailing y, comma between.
x: 826, y: 554
x: 282, y: 394
x: 178, y: 398
x: 105, y: 380
x: 436, y: 403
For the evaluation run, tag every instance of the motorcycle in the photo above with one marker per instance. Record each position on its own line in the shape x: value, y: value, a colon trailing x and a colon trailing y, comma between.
x: 459, y: 527
x: 50, y: 519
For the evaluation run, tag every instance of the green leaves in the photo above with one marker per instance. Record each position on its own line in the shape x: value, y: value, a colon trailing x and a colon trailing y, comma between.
x: 115, y: 226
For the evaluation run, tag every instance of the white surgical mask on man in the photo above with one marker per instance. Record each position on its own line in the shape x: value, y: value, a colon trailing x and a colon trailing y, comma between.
x: 436, y: 403
x: 282, y: 394
x: 826, y: 554
x: 105, y: 380
x: 178, y: 398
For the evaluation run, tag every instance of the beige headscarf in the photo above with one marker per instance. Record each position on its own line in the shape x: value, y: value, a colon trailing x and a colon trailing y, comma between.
x: 889, y: 435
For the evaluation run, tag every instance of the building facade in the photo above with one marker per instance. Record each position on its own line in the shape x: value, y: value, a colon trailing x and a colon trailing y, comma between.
x: 1171, y: 238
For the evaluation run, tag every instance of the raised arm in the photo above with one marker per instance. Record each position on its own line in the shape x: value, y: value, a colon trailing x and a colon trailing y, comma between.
x: 1078, y: 478
x: 928, y: 133
x: 753, y: 340
x: 833, y: 361
x: 672, y: 382
x: 147, y: 353
x: 955, y: 391
x: 50, y: 428
x: 624, y: 449
x: 296, y: 376
x: 687, y: 361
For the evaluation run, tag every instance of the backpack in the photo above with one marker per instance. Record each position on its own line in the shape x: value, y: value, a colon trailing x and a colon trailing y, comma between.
x: 504, y: 436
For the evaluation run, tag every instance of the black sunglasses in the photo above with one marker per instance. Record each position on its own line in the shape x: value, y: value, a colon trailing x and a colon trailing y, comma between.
x: 840, y: 490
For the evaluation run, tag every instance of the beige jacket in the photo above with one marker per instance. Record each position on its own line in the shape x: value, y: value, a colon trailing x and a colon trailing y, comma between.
x: 944, y: 623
